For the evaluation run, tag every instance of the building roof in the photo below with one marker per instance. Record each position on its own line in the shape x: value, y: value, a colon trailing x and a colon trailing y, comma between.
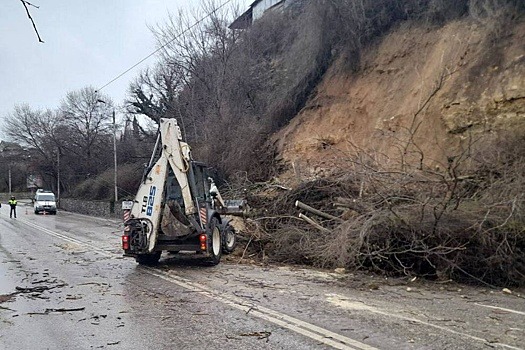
x: 244, y: 20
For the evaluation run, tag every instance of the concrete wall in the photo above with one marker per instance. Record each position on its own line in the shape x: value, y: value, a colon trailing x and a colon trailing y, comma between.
x: 92, y: 208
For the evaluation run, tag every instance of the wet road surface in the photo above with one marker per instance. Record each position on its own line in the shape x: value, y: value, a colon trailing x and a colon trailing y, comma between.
x: 65, y: 285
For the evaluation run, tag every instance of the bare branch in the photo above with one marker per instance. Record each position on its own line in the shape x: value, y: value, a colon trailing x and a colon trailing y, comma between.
x: 26, y: 3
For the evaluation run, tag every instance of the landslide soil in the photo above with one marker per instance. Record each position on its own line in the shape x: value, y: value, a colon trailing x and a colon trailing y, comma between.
x: 437, y: 86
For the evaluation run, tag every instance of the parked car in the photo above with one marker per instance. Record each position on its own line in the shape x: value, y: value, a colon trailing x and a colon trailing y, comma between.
x: 45, y: 201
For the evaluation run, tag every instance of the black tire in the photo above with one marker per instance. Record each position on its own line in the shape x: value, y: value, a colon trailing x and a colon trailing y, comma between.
x: 36, y: 212
x: 148, y: 259
x: 214, y: 242
x: 229, y: 240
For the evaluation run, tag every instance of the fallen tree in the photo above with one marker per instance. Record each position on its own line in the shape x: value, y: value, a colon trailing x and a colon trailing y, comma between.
x: 465, y: 222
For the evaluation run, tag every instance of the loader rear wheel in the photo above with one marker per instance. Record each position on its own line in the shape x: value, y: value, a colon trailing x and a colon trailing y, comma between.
x: 229, y: 240
x: 148, y: 259
x: 214, y: 242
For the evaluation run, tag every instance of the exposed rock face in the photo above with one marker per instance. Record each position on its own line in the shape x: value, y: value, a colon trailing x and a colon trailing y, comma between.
x: 421, y: 89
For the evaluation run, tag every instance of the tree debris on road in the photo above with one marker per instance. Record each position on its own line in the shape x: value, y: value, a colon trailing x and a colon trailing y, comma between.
x: 259, y: 335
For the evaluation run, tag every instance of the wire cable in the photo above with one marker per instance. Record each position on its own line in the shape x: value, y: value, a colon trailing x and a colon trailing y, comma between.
x: 164, y: 45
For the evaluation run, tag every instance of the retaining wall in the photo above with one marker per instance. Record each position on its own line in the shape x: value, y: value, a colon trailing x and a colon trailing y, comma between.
x: 93, y: 208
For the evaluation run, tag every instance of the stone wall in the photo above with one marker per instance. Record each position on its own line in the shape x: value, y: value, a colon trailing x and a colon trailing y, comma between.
x: 92, y: 208
x: 4, y: 197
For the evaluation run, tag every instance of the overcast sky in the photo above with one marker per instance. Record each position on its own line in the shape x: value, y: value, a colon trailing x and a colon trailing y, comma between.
x: 87, y: 42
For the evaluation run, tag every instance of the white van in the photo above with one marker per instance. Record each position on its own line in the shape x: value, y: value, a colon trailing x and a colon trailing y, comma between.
x: 45, y: 202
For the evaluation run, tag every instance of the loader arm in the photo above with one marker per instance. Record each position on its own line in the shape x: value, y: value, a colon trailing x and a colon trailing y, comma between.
x: 178, y: 155
x: 148, y: 203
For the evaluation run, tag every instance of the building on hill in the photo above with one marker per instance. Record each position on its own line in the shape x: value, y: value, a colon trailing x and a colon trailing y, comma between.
x: 9, y: 146
x: 257, y: 9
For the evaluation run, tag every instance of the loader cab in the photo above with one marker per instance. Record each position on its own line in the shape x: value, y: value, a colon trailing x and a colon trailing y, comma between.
x: 198, y: 180
x: 202, y: 187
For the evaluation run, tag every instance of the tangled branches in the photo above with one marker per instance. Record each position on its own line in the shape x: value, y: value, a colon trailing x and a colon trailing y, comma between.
x: 465, y: 222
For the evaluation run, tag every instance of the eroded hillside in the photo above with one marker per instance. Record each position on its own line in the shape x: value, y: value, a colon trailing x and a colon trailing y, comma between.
x: 436, y: 87
x: 417, y: 157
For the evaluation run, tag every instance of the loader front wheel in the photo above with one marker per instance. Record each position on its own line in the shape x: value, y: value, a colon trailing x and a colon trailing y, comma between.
x: 148, y: 259
x: 214, y: 242
x: 229, y: 240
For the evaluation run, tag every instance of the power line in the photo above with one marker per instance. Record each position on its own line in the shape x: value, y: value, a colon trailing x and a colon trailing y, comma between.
x: 166, y: 44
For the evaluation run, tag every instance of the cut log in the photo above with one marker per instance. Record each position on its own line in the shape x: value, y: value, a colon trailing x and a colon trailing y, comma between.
x: 317, y: 212
x: 313, y: 223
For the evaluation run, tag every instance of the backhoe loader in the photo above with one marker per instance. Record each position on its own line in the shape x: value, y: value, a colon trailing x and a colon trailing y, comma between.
x: 178, y: 207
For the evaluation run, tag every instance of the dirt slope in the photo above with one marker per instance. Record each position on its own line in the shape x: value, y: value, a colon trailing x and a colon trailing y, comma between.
x: 435, y: 86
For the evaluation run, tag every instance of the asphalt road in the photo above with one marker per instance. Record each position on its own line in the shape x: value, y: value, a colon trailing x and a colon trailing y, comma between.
x: 65, y: 285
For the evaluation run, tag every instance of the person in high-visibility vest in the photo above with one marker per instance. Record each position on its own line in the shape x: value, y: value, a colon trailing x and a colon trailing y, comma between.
x: 12, y: 203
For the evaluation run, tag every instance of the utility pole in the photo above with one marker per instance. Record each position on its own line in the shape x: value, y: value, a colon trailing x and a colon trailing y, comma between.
x: 115, y: 156
x: 9, y: 171
x: 114, y: 151
x: 58, y: 176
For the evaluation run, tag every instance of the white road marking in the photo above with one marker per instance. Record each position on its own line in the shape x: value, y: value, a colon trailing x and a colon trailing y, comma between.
x: 502, y: 309
x: 67, y: 238
x: 322, y: 335
x: 346, y: 303
x: 309, y: 330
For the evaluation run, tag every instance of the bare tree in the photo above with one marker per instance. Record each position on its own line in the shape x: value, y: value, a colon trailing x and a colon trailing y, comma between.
x: 154, y: 92
x: 72, y: 139
x: 40, y: 132
x: 33, y: 129
x: 89, y: 122
x: 190, y: 80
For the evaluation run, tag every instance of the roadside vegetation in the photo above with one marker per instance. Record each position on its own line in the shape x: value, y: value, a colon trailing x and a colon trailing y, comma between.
x: 231, y: 90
